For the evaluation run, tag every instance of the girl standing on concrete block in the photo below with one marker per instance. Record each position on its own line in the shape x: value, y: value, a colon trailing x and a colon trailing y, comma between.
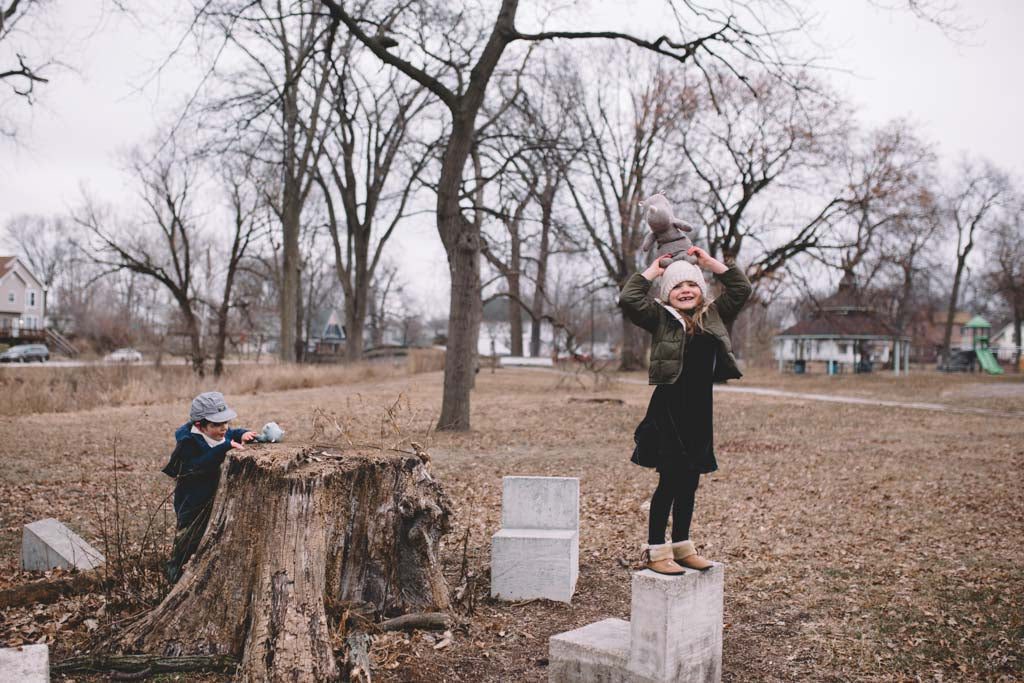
x: 690, y: 349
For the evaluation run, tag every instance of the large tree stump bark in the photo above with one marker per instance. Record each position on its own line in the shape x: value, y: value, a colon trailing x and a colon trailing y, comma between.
x: 294, y: 535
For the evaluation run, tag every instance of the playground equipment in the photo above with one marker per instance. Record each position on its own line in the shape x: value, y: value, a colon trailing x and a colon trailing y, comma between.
x: 988, y: 361
x: 979, y: 329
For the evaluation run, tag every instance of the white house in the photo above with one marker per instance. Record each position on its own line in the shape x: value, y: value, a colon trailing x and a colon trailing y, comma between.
x: 22, y: 300
x: 496, y: 338
x: 1004, y: 343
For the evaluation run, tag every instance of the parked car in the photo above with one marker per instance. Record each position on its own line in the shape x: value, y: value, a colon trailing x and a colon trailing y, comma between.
x: 126, y: 355
x: 23, y: 353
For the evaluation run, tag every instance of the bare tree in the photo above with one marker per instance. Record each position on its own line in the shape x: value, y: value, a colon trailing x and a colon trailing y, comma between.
x: 382, y: 307
x: 750, y: 144
x: 275, y: 110
x: 19, y: 72
x: 627, y: 158
x: 43, y: 242
x: 319, y: 284
x: 909, y: 249
x: 163, y: 245
x: 246, y: 226
x: 886, y: 191
x: 525, y: 152
x: 440, y: 48
x: 970, y: 205
x: 368, y: 172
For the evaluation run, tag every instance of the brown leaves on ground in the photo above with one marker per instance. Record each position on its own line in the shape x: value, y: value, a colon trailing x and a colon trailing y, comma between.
x: 861, y: 543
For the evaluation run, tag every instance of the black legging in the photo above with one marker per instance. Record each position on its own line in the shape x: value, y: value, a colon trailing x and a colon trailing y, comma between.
x: 676, y: 492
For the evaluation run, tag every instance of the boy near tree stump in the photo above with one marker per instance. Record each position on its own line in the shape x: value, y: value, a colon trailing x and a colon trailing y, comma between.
x: 201, y: 444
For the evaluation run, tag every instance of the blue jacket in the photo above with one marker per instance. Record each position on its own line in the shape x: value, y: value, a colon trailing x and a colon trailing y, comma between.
x: 196, y: 467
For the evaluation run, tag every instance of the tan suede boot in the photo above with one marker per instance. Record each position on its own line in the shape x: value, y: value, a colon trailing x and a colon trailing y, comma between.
x: 659, y: 559
x: 685, y: 554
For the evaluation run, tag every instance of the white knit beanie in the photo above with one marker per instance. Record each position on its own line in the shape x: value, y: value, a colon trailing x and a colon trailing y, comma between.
x: 677, y: 272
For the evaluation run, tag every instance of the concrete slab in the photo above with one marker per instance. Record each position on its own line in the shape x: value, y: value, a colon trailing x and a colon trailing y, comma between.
x: 595, y: 653
x: 674, y: 635
x: 534, y: 563
x: 48, y: 544
x: 540, y: 503
x: 25, y: 664
x: 676, y: 625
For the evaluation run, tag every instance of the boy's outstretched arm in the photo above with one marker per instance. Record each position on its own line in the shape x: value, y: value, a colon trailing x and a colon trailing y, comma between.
x: 211, y: 457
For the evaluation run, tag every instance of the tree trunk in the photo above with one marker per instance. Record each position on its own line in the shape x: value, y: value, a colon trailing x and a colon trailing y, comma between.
x: 354, y: 321
x: 632, y: 356
x: 290, y: 281
x: 463, y: 331
x: 295, y: 534
x: 547, y: 200
x: 515, y: 317
x: 300, y: 322
x: 221, y: 344
x: 954, y: 295
x: 195, y: 341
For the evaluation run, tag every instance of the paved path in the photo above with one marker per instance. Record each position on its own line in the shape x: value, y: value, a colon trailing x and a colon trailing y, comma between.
x: 832, y: 398
x: 915, y: 405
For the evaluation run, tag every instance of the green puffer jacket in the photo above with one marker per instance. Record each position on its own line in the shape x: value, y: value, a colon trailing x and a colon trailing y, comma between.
x: 668, y: 338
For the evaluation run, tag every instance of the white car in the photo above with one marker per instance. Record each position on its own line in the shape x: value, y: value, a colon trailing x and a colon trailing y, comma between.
x: 123, y: 356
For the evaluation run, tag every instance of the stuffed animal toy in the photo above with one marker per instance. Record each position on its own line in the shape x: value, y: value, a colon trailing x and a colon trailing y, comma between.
x: 271, y: 433
x: 667, y: 231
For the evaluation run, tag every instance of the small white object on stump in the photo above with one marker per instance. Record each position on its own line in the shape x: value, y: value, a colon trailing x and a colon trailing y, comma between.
x: 536, y: 553
x: 25, y: 664
x: 674, y: 634
x: 48, y: 544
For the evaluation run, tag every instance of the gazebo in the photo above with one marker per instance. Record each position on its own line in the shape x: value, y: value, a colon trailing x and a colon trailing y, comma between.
x: 842, y: 333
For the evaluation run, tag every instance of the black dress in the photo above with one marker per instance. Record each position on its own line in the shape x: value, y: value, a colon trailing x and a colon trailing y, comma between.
x: 682, y: 412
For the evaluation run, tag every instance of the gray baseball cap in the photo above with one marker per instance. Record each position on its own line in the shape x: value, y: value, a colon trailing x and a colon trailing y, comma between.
x: 210, y: 406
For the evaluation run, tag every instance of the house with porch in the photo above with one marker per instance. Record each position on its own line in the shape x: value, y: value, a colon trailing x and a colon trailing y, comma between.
x: 1005, y: 343
x: 22, y: 302
x: 842, y: 335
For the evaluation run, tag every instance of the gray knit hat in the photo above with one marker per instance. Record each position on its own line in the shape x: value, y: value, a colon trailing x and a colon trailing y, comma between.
x: 679, y: 271
x: 210, y: 406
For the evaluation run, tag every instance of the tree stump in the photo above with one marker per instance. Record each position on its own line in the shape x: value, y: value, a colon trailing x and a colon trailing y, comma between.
x: 294, y: 535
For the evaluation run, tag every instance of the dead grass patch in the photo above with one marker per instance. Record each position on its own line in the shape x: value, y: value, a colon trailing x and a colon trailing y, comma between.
x: 861, y: 543
x: 65, y: 389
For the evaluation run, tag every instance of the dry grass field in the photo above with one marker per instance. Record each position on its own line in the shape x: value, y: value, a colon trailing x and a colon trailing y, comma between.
x: 862, y: 543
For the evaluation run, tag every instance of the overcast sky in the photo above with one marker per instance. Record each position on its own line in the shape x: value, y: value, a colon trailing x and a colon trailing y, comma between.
x: 962, y: 92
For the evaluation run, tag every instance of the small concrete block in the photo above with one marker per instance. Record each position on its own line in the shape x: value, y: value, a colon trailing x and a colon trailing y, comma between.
x: 534, y: 563
x: 540, y: 503
x: 596, y: 653
x: 676, y: 626
x: 47, y: 544
x: 25, y: 664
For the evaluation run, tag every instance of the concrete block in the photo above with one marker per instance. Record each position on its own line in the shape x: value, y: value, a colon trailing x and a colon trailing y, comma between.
x: 534, y: 563
x: 47, y: 544
x: 676, y: 626
x: 540, y: 503
x: 596, y: 653
x: 25, y: 664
